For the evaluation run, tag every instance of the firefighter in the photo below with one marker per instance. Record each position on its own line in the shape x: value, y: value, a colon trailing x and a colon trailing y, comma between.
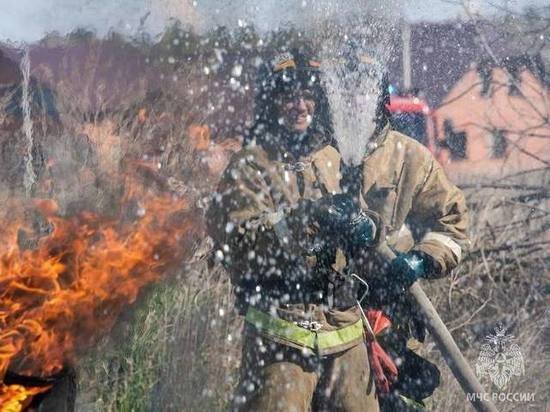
x: 287, y: 230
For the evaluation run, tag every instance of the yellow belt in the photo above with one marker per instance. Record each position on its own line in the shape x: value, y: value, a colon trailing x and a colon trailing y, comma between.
x: 313, y: 339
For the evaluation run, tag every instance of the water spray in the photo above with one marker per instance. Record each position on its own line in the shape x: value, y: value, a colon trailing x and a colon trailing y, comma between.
x: 29, y: 179
x: 353, y: 75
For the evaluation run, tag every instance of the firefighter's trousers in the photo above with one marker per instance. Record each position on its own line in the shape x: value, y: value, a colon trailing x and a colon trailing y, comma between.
x: 276, y: 377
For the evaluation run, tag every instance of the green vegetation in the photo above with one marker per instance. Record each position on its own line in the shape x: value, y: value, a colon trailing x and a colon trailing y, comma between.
x: 173, y: 354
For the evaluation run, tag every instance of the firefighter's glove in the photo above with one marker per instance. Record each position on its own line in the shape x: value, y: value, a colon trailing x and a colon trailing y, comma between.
x: 340, y: 217
x: 338, y: 223
x: 334, y: 211
x: 407, y: 268
x: 362, y: 231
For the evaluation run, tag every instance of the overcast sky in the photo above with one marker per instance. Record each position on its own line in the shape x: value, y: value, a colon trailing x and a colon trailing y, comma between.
x: 29, y: 20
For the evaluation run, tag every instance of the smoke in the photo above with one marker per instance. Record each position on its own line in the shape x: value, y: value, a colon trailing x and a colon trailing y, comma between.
x: 353, y: 89
x: 28, y: 20
x: 158, y: 13
x: 274, y: 14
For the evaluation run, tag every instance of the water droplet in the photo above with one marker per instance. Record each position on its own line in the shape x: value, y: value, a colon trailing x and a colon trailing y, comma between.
x: 237, y: 70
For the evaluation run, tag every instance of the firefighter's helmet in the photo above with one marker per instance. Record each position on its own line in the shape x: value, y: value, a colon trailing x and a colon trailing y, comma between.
x: 292, y: 70
x: 286, y: 73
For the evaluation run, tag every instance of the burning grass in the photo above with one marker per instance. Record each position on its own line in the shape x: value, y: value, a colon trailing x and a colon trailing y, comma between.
x: 78, y: 279
x: 504, y: 279
x: 66, y: 279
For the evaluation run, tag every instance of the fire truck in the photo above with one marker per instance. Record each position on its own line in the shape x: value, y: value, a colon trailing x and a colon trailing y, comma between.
x: 412, y: 116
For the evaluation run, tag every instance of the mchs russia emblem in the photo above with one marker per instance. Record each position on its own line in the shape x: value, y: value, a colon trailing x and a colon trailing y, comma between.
x: 499, y: 358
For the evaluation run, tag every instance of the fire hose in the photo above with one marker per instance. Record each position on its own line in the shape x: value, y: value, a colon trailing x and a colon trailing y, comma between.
x: 446, y: 345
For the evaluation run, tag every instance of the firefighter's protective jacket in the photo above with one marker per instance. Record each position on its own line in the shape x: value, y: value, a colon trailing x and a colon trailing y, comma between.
x: 409, y: 189
x: 401, y: 182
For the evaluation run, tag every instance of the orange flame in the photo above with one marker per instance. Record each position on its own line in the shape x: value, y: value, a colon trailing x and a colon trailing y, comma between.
x: 14, y: 398
x: 67, y: 289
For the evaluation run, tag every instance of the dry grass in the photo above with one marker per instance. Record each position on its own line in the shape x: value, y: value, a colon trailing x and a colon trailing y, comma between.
x: 504, y: 279
x: 176, y: 354
x: 173, y: 351
x: 177, y: 349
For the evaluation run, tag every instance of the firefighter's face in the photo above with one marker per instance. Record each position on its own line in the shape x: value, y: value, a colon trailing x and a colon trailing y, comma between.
x: 296, y: 109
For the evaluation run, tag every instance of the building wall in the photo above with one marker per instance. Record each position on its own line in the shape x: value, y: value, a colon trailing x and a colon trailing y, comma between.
x: 440, y: 54
x: 520, y: 117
